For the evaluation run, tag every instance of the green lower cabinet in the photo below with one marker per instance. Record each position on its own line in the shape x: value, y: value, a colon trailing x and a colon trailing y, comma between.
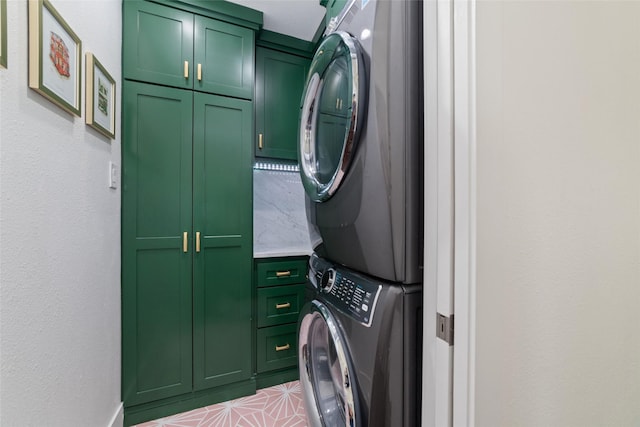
x: 187, y: 327
x: 280, y: 295
x: 279, y: 305
x: 222, y: 212
x: 156, y: 272
x: 277, y: 347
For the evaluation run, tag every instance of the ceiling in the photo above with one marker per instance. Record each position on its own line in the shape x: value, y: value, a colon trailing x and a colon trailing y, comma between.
x: 296, y: 18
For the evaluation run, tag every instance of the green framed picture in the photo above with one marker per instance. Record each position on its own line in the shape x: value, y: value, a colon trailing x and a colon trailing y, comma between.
x: 55, y: 57
x: 100, y: 101
x: 3, y: 33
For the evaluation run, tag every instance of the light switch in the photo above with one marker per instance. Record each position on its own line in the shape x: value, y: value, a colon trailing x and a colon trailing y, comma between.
x: 113, y: 173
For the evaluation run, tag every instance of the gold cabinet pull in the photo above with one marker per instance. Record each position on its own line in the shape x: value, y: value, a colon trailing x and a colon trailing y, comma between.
x: 186, y: 69
x: 283, y: 305
x: 197, y: 241
x: 283, y: 273
x: 283, y: 347
x: 185, y: 242
x: 260, y: 141
x: 337, y: 103
x: 199, y: 71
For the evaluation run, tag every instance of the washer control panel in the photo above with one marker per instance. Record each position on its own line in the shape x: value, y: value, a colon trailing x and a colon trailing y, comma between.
x: 350, y: 292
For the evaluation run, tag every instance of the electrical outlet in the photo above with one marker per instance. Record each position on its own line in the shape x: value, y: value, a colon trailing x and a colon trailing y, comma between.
x: 113, y: 174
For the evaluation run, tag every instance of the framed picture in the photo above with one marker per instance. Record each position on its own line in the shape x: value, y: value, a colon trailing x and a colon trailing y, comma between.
x: 55, y: 57
x: 3, y: 33
x: 100, y: 105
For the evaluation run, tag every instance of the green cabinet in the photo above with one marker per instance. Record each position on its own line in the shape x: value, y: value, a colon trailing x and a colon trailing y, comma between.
x: 156, y: 273
x: 280, y: 293
x: 280, y: 79
x: 188, y: 335
x: 177, y: 48
x: 222, y: 212
x: 186, y: 241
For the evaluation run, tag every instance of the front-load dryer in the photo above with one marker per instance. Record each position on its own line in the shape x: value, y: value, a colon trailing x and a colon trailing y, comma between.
x: 360, y: 140
x: 359, y: 350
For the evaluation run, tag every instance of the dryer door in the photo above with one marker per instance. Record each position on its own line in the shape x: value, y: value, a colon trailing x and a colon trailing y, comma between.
x: 326, y: 372
x: 331, y: 116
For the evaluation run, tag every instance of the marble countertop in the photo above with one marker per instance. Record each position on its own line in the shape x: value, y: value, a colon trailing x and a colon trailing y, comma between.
x: 279, y: 218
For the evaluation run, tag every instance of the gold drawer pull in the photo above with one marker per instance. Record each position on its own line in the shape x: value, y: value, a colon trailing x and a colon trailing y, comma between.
x: 260, y: 141
x: 284, y: 305
x: 284, y: 347
x: 199, y: 72
x: 197, y: 241
x: 186, y: 69
x: 283, y: 273
x: 185, y: 242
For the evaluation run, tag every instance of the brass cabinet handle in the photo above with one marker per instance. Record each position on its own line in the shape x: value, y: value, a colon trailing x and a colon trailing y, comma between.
x: 283, y: 273
x: 260, y: 141
x: 185, y: 242
x: 284, y: 347
x: 186, y: 69
x: 283, y: 305
x: 199, y: 71
x: 337, y: 103
x: 197, y: 241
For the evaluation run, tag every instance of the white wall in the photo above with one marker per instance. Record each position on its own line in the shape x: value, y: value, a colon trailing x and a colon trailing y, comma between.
x: 59, y: 240
x: 558, y: 214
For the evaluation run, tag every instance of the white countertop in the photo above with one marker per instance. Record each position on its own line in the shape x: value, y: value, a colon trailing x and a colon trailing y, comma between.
x: 279, y: 217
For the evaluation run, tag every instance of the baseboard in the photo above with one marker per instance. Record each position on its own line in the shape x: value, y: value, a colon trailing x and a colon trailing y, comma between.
x: 186, y: 402
x: 118, y: 418
x: 274, y: 378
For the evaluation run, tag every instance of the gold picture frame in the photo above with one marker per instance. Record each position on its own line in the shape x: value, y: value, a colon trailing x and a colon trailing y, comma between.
x: 55, y: 57
x: 100, y: 102
x: 3, y: 33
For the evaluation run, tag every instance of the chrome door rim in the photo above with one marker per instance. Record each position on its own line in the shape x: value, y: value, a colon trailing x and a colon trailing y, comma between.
x: 315, y: 418
x: 316, y: 190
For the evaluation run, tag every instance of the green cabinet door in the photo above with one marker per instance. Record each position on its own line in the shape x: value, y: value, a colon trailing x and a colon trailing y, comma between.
x: 280, y: 79
x: 158, y: 42
x: 224, y: 56
x: 223, y: 263
x: 156, y: 270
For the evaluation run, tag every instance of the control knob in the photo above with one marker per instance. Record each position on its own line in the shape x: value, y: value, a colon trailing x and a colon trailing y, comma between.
x: 328, y: 279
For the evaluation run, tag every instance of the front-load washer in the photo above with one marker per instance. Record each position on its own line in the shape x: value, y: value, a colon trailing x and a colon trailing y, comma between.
x: 359, y: 349
x: 360, y: 140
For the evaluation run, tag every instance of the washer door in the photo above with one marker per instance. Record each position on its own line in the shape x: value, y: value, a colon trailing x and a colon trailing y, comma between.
x: 330, y: 117
x: 326, y: 372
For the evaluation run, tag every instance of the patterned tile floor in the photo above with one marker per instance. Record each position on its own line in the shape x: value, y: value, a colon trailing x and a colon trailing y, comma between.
x: 278, y: 406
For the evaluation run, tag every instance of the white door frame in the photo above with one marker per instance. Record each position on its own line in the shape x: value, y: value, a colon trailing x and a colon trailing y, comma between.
x: 449, y: 265
x: 464, y: 19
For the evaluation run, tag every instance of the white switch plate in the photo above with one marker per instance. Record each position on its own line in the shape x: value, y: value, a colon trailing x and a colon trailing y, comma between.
x: 113, y: 174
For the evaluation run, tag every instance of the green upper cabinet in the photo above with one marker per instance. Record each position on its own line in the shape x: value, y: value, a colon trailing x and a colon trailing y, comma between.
x: 280, y: 79
x: 223, y: 58
x: 159, y: 44
x: 181, y: 49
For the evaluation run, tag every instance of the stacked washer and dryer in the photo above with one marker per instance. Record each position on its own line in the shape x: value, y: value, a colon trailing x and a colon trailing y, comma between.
x: 360, y: 155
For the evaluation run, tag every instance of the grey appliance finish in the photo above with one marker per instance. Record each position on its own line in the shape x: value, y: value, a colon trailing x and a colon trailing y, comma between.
x: 359, y: 366
x: 361, y: 138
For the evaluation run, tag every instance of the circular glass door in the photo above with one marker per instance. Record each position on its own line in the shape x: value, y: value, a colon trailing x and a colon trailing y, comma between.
x: 329, y: 121
x: 325, y: 371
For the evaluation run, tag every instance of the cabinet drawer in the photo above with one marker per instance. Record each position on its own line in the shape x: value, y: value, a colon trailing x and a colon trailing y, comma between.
x: 286, y: 272
x: 277, y: 347
x: 279, y: 305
